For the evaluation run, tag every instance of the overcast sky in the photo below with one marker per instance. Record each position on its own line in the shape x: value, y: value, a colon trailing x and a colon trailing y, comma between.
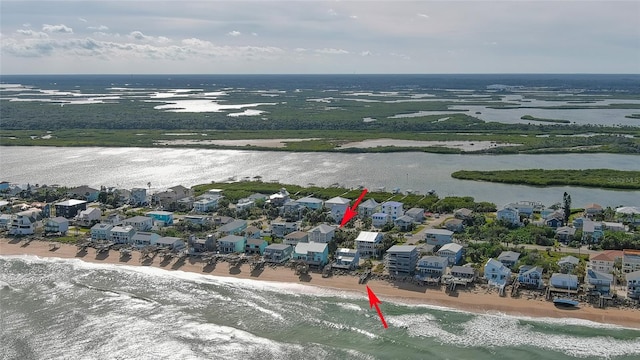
x: 348, y: 36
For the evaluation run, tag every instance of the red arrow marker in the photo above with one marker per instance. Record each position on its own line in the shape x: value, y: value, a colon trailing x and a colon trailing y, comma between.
x: 351, y: 211
x: 374, y: 301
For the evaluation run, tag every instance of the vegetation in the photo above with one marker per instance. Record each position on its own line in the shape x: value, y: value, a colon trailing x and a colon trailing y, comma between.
x: 633, y: 116
x: 532, y: 118
x: 601, y: 178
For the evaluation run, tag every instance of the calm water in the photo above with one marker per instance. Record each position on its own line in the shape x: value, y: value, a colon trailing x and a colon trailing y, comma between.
x: 61, y: 309
x: 135, y: 167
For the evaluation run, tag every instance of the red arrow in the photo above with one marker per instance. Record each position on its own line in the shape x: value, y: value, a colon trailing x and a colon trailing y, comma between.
x: 374, y: 301
x: 351, y: 211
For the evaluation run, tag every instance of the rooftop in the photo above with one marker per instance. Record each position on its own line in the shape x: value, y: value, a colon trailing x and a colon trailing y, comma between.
x: 369, y: 236
x: 453, y: 247
x: 303, y: 248
x: 401, y: 249
x: 71, y: 202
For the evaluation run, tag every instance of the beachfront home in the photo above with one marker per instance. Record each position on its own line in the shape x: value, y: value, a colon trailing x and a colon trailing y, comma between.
x: 101, y: 231
x: 604, y: 261
x: 368, y: 244
x: 591, y: 231
x: 564, y: 281
x: 84, y: 192
x: 199, y: 246
x: 140, y: 223
x: 417, y: 214
x: 252, y: 232
x: 509, y: 215
x: 277, y: 253
x: 297, y: 237
x: 311, y: 203
x: 70, y: 208
x: 380, y: 220
x: 568, y: 263
x: 633, y: 285
x: 138, y: 197
x: 600, y: 282
x: 463, y: 272
x: 367, y: 208
x: 172, y: 243
x: 56, y: 225
x: 455, y: 225
x: 496, y: 273
x: 630, y: 260
x: 404, y: 223
x: 565, y: 234
x: 122, y: 234
x: 509, y: 258
x: 255, y: 246
x: 231, y: 244
x: 312, y: 253
x: 144, y: 238
x: 431, y: 266
x: 346, y: 259
x: 162, y: 218
x: 322, y: 233
x: 525, y: 208
x: 392, y: 208
x: 23, y: 223
x: 88, y: 217
x: 220, y: 220
x: 438, y: 237
x: 451, y: 251
x: 530, y: 276
x: 401, y: 260
x: 233, y: 228
x: 337, y: 205
x: 282, y: 228
x: 555, y: 220
x: 5, y: 221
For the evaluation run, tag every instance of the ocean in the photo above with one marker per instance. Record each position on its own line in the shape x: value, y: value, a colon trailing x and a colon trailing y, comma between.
x: 69, y: 309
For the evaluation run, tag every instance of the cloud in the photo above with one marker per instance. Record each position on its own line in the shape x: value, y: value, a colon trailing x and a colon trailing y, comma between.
x: 402, y: 56
x: 425, y: 16
x: 98, y: 28
x: 139, y: 36
x: 332, y: 51
x: 82, y: 19
x: 354, y: 17
x: 332, y: 12
x: 29, y: 32
x: 57, y: 29
x: 366, y: 53
x: 234, y: 33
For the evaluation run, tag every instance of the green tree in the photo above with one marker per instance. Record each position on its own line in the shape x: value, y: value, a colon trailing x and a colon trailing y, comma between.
x: 566, y: 203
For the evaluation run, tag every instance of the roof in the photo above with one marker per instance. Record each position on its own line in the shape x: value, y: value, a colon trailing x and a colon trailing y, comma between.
x: 509, y: 256
x: 401, y: 249
x: 392, y: 203
x: 303, y: 248
x: 627, y: 252
x: 71, y: 202
x: 369, y: 236
x: 143, y: 234
x: 59, y: 220
x: 127, y: 228
x: 633, y: 275
x: 338, y: 201
x: 453, y: 222
x: 496, y: 264
x: 629, y: 210
x: 566, y: 277
x: 233, y: 225
x: 431, y: 258
x: 593, y: 206
x: 81, y: 190
x: 528, y: 269
x: 158, y: 212
x: 439, y: 232
x: 369, y: 204
x: 138, y: 218
x: 167, y: 240
x: 257, y: 242
x: 597, y: 275
x: 231, y: 238
x: 346, y: 251
x: 567, y: 230
x: 451, y: 247
x: 323, y: 228
x: 569, y: 259
x: 414, y: 211
x: 102, y: 226
x: 296, y: 235
x: 463, y: 269
x: 464, y: 211
x: 609, y: 255
x: 278, y: 246
x: 310, y: 199
x: 405, y: 218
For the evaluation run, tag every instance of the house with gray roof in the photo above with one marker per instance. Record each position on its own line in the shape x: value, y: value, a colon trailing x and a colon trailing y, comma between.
x: 509, y: 258
x: 564, y: 281
x: 277, y: 253
x: 315, y: 254
x: 438, y: 236
x: 599, y: 281
x: 530, y: 276
x: 417, y: 214
x: 367, y: 208
x: 337, y: 205
x: 233, y: 228
x: 296, y: 237
x: 171, y: 243
x: 431, y: 267
x: 346, y: 259
x: 633, y: 284
x: 568, y: 263
x: 322, y: 233
x: 401, y: 260
x: 452, y: 251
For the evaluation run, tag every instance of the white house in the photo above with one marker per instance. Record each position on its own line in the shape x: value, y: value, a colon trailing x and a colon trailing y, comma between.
x: 496, y: 273
x: 23, y: 223
x: 530, y: 276
x: 101, y: 231
x: 322, y: 233
x: 431, y: 266
x: 630, y: 260
x: 604, y: 261
x: 451, y: 251
x: 392, y: 208
x: 564, y: 281
x: 88, y: 216
x: 245, y: 203
x: 633, y: 284
x: 509, y: 258
x: 438, y: 236
x: 380, y: 220
x: 311, y: 203
x: 140, y: 223
x: 367, y: 208
x: 509, y: 215
x: 368, y: 244
x: 337, y: 205
x: 143, y: 238
x: 122, y: 234
x: 205, y: 205
x: 346, y: 259
x: 417, y: 214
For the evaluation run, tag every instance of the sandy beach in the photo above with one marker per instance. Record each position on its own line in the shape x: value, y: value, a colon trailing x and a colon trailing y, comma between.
x: 476, y: 299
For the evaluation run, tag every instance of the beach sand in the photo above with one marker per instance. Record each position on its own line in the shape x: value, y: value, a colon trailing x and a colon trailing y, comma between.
x: 476, y: 299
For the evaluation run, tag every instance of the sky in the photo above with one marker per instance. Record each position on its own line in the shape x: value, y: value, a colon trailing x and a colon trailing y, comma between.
x: 318, y: 37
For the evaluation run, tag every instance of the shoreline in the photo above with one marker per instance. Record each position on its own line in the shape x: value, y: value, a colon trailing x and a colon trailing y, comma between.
x: 477, y: 299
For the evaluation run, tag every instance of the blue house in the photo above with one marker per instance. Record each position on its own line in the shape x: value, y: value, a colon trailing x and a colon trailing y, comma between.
x: 530, y: 276
x: 255, y: 246
x: 312, y: 253
x: 509, y: 215
x: 163, y: 217
x: 451, y: 251
x: 231, y: 244
x: 600, y: 282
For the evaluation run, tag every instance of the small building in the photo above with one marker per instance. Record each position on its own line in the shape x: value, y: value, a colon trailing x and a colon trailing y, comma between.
x: 496, y: 273
x: 380, y: 220
x: 56, y: 225
x: 404, y: 223
x: 233, y: 228
x: 401, y: 260
x: 282, y: 228
x: 101, y: 231
x: 613, y: 226
x: 633, y: 285
x: 231, y: 244
x: 392, y: 208
x: 277, y: 253
x: 367, y: 208
x: 600, y: 282
x: 347, y: 259
x: 431, y: 266
x: 591, y: 231
x: 322, y: 233
x: 162, y: 218
x: 70, y: 208
x: 509, y: 258
x: 255, y: 246
x: 455, y: 225
x: 144, y: 238
x: 438, y: 237
x: 172, y: 243
x: 297, y: 237
x: 368, y: 244
x: 88, y: 217
x: 568, y: 263
x: 122, y: 234
x: 417, y: 214
x: 316, y: 254
x: 451, y: 251
x: 564, y: 281
x: 337, y: 205
x: 530, y: 276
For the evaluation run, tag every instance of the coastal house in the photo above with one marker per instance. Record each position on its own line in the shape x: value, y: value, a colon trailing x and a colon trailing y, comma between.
x: 392, y: 208
x: 255, y: 246
x: 530, y: 276
x: 184, y: 204
x: 252, y: 232
x: 198, y: 219
x: 438, y: 237
x: 23, y: 223
x: 245, y: 203
x: 367, y: 208
x: 466, y: 273
x: 431, y: 267
x: 144, y: 238
x: 613, y: 226
x: 568, y: 263
x: 220, y: 220
x: 84, y: 192
x: 5, y: 221
x: 277, y: 253
x: 629, y: 214
x: 564, y: 281
x: 451, y: 251
x: 311, y: 203
x: 604, y: 261
x: 101, y: 231
x: 633, y: 284
x: 463, y: 214
x: 198, y: 245
x: 368, y: 244
x: 592, y: 210
x: 404, y: 223
x: 315, y: 254
x: 297, y: 237
x: 455, y: 225
x: 600, y: 282
x: 322, y: 233
x: 233, y: 228
x: 417, y: 214
x: 565, y: 234
x: 56, y: 225
x: 70, y: 208
x: 282, y: 228
x: 292, y: 211
x: 337, y: 205
x: 231, y: 244
x: 630, y: 260
x: 346, y: 259
x: 509, y: 258
x: 591, y: 231
x: 140, y: 223
x: 280, y: 198
x: 122, y: 234
x: 401, y: 260
x: 162, y: 218
x: 88, y: 217
x: 554, y: 220
x: 496, y: 273
x: 172, y: 243
x: 138, y: 197
x: 380, y: 220
x: 206, y: 205
x: 508, y: 215
x: 525, y: 208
